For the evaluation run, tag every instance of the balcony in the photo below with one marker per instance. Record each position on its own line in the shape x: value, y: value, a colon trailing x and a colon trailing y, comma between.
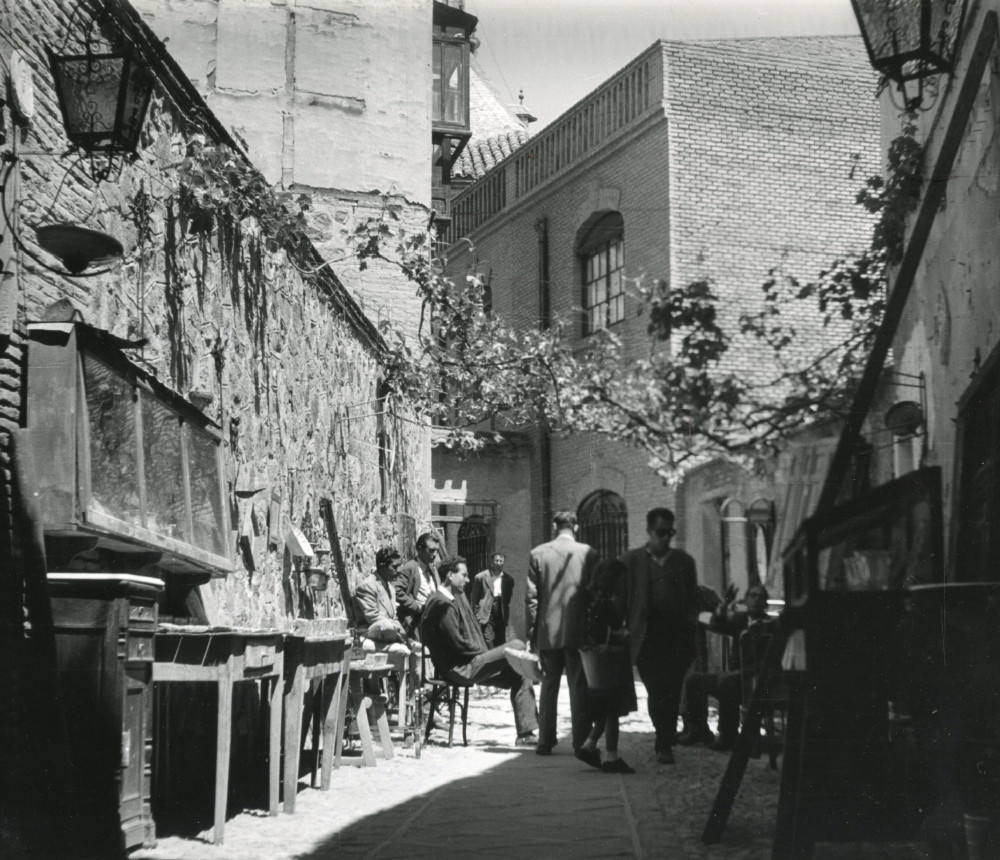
x: 618, y: 106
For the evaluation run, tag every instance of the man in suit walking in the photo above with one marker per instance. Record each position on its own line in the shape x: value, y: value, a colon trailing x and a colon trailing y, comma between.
x: 490, y: 597
x: 554, y: 607
x: 661, y: 601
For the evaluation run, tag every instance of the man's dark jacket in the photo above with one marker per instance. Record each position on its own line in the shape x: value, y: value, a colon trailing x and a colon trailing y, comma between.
x: 407, y: 584
x: 450, y: 631
x: 481, y: 597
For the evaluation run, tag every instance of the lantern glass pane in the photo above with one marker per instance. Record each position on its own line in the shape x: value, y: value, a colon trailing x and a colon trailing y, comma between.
x: 90, y: 87
x: 910, y: 39
x: 138, y: 87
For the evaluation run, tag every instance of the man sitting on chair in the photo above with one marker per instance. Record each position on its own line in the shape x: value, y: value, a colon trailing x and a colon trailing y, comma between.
x: 450, y: 631
x: 750, y: 630
x: 375, y: 601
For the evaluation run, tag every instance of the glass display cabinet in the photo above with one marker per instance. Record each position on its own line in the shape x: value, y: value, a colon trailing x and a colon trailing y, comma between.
x: 122, y: 459
x: 852, y: 769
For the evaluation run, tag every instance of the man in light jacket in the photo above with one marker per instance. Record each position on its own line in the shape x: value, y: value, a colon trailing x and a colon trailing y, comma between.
x: 554, y: 605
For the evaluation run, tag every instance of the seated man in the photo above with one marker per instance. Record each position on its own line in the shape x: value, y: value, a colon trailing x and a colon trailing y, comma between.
x: 415, y: 580
x: 450, y: 631
x: 727, y: 687
x: 375, y: 602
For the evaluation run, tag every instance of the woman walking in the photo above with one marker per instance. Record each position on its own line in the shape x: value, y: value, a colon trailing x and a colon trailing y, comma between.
x: 610, y: 685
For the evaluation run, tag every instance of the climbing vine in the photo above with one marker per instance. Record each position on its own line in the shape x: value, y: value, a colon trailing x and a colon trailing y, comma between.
x: 467, y: 366
x: 216, y: 183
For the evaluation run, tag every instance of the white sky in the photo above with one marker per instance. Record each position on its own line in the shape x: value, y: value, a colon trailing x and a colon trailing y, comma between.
x: 559, y: 50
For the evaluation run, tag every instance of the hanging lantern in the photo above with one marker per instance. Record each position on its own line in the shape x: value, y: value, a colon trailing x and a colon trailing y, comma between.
x: 103, y: 98
x: 910, y: 40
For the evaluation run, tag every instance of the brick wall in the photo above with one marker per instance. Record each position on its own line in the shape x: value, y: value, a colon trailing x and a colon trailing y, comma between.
x: 748, y: 156
x: 768, y: 150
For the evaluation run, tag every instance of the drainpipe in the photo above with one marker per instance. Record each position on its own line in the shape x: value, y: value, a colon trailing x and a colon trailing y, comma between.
x: 544, y: 322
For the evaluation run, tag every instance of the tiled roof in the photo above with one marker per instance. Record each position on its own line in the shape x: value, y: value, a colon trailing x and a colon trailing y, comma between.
x: 496, y: 132
x: 481, y: 155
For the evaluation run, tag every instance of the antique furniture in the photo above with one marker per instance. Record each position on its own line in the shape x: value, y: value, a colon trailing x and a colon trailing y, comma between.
x: 849, y: 773
x: 846, y: 578
x: 125, y: 464
x: 225, y: 657
x: 104, y: 625
x: 326, y: 664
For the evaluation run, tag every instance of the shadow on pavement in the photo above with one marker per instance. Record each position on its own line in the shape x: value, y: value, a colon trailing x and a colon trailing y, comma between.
x: 555, y: 806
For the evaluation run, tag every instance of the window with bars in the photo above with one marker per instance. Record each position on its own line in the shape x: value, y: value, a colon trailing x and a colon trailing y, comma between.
x: 602, y: 256
x: 603, y: 522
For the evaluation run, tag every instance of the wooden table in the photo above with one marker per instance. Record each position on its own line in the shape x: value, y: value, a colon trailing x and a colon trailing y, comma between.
x: 225, y: 657
x: 310, y: 659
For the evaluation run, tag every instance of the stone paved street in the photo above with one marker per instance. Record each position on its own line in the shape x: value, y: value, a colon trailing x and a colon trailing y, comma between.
x: 491, y: 800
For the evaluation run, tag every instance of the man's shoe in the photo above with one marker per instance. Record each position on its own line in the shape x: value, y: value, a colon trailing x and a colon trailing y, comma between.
x: 665, y: 756
x: 695, y: 735
x: 617, y: 766
x: 589, y: 756
x: 526, y: 740
x: 722, y: 744
x: 543, y: 749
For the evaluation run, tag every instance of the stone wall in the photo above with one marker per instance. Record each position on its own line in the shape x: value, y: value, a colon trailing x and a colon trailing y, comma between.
x: 282, y: 360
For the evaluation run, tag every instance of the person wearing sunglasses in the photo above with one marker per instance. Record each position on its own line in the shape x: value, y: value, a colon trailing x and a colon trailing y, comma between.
x: 661, y: 608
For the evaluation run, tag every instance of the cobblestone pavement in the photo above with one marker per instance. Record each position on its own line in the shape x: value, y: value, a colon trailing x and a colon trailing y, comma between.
x: 491, y: 800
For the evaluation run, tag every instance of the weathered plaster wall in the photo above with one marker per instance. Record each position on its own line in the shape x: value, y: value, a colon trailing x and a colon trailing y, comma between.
x: 333, y: 98
x: 270, y: 354
x: 952, y: 320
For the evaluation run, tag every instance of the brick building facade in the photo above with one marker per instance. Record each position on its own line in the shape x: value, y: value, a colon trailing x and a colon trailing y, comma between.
x: 717, y: 160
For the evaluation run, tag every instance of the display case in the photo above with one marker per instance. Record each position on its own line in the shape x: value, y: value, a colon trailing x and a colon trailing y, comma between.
x: 121, y: 458
x: 883, y: 542
x: 853, y: 770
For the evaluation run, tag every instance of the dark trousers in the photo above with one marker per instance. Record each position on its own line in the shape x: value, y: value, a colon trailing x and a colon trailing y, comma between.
x: 554, y: 661
x: 491, y: 669
x: 662, y: 667
x: 727, y: 689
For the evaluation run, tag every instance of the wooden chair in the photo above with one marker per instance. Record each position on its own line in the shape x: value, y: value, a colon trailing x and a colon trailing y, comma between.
x: 773, y: 694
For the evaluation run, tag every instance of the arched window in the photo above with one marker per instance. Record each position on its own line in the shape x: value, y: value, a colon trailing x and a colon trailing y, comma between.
x: 475, y: 542
x: 601, y: 248
x: 603, y: 522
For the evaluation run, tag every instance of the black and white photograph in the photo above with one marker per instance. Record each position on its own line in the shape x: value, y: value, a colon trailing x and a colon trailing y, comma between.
x: 502, y: 429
